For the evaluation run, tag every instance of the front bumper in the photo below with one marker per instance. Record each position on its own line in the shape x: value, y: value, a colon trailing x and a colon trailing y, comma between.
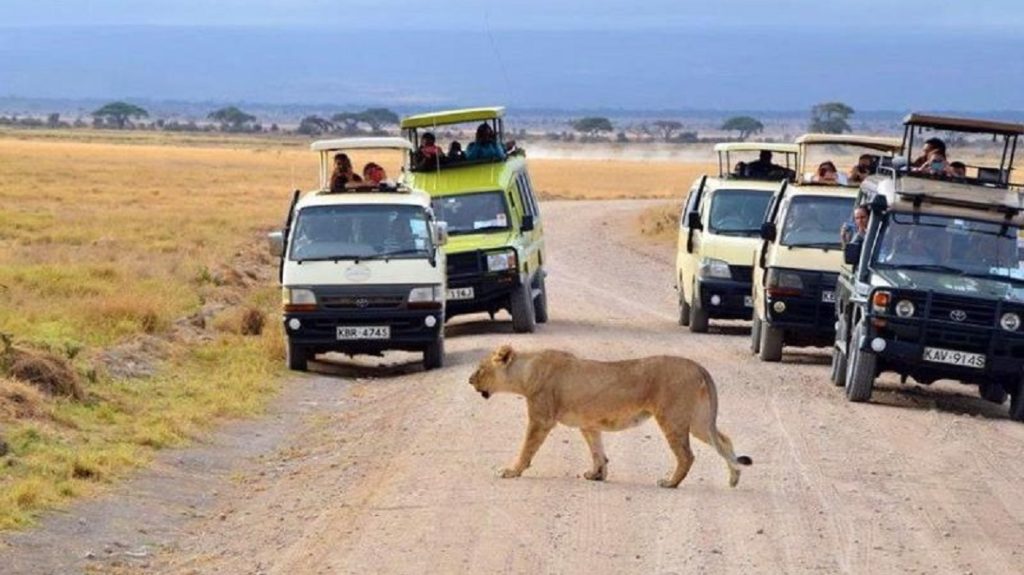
x: 906, y: 339
x: 725, y: 298
x: 318, y: 330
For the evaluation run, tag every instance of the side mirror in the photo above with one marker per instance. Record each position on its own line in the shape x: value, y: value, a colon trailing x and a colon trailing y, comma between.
x: 851, y: 253
x: 441, y: 232
x: 768, y: 231
x: 275, y: 243
x: 527, y: 223
x: 693, y: 221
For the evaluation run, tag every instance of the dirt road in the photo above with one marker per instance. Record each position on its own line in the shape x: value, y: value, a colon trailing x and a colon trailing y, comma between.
x: 393, y: 470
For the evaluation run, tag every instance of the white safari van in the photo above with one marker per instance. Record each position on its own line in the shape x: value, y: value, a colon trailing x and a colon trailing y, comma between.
x: 362, y: 270
x: 719, y: 227
x: 798, y: 261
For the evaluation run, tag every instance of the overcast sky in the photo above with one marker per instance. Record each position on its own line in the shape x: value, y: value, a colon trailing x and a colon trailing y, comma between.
x: 518, y: 14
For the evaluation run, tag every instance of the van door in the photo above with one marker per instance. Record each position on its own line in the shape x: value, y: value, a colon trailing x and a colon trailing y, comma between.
x: 688, y: 249
x: 765, y: 254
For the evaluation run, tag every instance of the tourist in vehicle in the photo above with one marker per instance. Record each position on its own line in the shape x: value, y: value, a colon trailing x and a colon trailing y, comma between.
x: 936, y: 164
x: 827, y: 174
x: 740, y: 169
x: 763, y: 167
x: 958, y: 169
x: 429, y: 154
x: 455, y: 153
x: 931, y: 145
x: 343, y: 173
x: 374, y: 173
x: 864, y: 167
x: 485, y: 147
x: 854, y: 232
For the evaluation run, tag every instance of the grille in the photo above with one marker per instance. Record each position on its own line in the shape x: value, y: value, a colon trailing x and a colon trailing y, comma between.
x: 967, y: 311
x: 464, y: 264
x: 742, y: 273
x: 362, y: 302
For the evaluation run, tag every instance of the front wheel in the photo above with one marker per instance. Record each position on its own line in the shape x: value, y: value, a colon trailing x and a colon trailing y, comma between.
x: 838, y: 375
x: 433, y: 356
x: 771, y: 343
x: 1017, y: 403
x: 540, y: 303
x: 698, y: 315
x: 297, y: 356
x: 523, y: 320
x: 860, y: 369
x: 755, y: 335
x: 994, y: 392
x: 684, y: 309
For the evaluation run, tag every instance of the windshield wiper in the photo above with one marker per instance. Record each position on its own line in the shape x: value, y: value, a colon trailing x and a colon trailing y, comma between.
x: 820, y: 245
x: 737, y: 232
x: 475, y: 230
x: 387, y: 255
x: 930, y: 268
x: 330, y: 259
x: 992, y: 276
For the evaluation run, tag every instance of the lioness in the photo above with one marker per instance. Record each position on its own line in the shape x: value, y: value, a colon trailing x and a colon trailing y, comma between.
x: 597, y: 396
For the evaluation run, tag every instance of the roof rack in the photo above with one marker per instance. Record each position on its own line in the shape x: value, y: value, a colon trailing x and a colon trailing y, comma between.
x: 969, y: 125
x: 445, y: 117
x: 726, y: 149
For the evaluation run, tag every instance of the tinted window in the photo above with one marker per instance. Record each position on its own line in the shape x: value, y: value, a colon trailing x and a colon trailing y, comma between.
x: 738, y: 212
x: 815, y: 221
x: 358, y: 232
x: 473, y: 213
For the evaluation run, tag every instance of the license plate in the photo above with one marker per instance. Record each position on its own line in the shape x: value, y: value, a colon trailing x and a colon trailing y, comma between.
x: 953, y: 357
x: 828, y: 296
x: 748, y: 301
x: 364, y: 332
x: 460, y: 293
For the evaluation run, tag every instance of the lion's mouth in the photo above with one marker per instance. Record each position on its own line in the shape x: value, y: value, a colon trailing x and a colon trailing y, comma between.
x: 486, y: 394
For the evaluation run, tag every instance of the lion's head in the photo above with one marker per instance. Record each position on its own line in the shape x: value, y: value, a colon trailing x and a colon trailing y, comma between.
x: 491, y: 375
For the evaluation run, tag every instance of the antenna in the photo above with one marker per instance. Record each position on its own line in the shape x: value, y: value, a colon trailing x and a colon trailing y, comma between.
x: 497, y: 54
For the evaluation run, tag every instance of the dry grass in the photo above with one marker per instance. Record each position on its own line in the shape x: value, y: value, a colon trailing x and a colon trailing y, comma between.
x: 660, y: 223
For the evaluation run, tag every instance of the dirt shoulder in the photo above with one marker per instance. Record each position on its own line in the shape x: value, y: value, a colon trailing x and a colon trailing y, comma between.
x: 368, y: 469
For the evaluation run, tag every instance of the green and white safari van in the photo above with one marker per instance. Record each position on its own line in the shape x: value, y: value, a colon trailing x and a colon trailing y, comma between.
x: 496, y: 247
x: 362, y: 269
x: 718, y: 231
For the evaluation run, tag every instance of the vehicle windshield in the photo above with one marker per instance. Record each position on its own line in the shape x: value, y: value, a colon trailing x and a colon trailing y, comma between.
x: 366, y: 231
x: 473, y: 213
x: 948, y: 244
x: 738, y: 212
x: 814, y: 221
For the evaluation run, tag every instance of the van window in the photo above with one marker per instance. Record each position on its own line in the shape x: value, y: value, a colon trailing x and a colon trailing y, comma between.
x: 360, y: 232
x: 524, y: 198
x: 473, y: 213
x: 738, y: 212
x: 815, y: 221
x: 530, y: 195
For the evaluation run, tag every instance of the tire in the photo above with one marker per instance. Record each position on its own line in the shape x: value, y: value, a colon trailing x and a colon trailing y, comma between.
x: 433, y: 356
x: 1017, y: 404
x: 770, y: 347
x: 296, y: 356
x: 860, y: 369
x: 838, y: 367
x: 698, y: 315
x: 994, y: 392
x: 684, y: 310
x: 755, y: 335
x: 540, y: 303
x: 523, y: 320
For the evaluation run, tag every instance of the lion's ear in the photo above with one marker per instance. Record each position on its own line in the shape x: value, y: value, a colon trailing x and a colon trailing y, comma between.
x: 503, y: 355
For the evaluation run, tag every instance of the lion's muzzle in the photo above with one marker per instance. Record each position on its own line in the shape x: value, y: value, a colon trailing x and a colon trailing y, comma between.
x: 486, y: 394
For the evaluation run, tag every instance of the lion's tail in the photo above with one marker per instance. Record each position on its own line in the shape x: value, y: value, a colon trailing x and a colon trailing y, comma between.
x: 717, y: 439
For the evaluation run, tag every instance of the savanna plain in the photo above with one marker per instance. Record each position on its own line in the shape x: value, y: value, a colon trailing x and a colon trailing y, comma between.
x: 147, y: 424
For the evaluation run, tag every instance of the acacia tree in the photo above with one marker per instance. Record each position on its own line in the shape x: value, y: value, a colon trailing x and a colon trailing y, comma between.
x: 830, y: 118
x: 745, y: 125
x: 231, y: 119
x: 314, y: 126
x: 592, y: 126
x: 378, y: 118
x: 119, y: 114
x: 666, y: 128
x: 347, y: 122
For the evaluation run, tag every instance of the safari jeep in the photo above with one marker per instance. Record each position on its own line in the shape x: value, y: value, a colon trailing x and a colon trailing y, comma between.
x: 935, y: 289
x: 362, y: 270
x: 496, y: 248
x: 798, y: 261
x: 718, y: 230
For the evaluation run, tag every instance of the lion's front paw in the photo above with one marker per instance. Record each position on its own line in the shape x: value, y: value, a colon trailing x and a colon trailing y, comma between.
x: 510, y: 473
x: 667, y: 483
x: 595, y: 475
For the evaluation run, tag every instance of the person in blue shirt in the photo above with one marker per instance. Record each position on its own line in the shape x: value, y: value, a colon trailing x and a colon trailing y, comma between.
x: 486, y: 146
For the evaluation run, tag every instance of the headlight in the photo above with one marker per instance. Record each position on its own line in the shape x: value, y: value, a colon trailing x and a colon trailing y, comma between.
x: 905, y: 308
x: 783, y: 283
x: 501, y: 261
x: 298, y: 299
x: 425, y: 294
x: 1010, y: 321
x: 712, y: 268
x: 880, y: 301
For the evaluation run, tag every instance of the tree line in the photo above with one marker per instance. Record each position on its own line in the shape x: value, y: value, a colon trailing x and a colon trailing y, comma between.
x: 827, y: 117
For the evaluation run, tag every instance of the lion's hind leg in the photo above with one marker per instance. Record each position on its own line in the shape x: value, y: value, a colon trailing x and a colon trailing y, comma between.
x: 600, y: 469
x: 726, y: 451
x: 679, y: 442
